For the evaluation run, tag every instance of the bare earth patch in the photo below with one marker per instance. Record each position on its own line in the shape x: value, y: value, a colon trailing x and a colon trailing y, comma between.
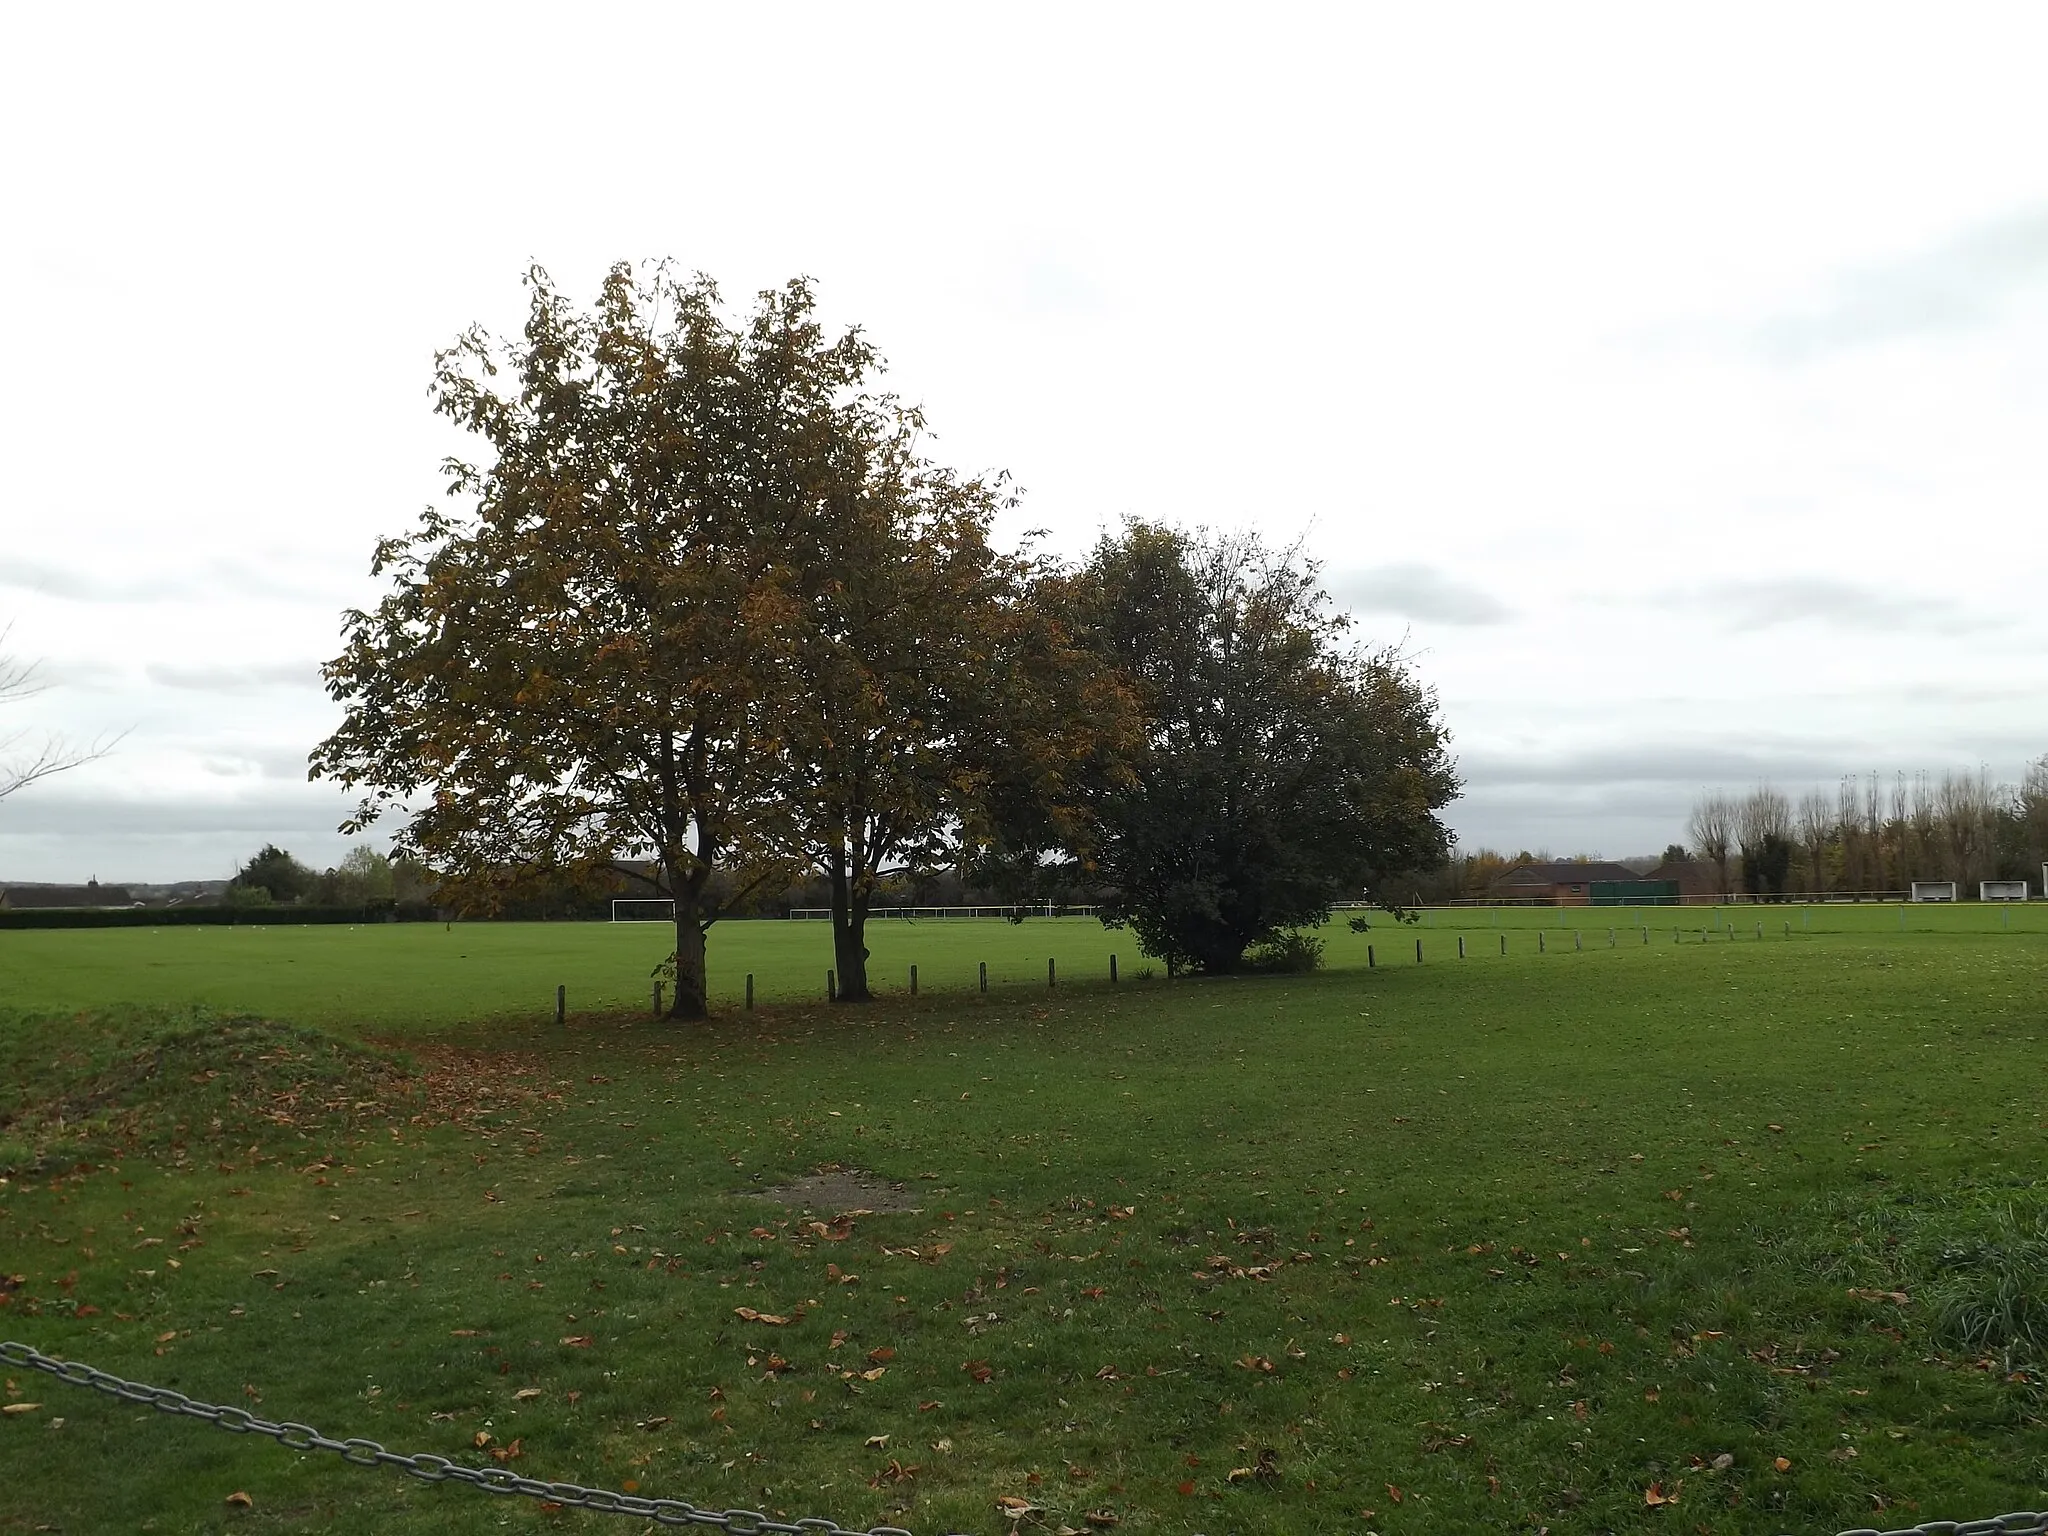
x: 840, y: 1190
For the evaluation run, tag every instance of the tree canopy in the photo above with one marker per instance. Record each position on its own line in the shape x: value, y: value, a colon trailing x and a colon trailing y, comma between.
x: 1281, y: 769
x: 701, y: 605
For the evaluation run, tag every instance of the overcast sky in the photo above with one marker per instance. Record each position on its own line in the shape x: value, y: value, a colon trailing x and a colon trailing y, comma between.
x: 1674, y: 380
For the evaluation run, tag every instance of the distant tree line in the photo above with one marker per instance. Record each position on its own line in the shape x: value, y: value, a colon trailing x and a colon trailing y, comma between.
x: 1874, y: 833
x: 364, y: 878
x: 701, y: 612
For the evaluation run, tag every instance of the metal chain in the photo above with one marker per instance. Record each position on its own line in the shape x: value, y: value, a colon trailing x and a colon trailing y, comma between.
x: 2023, y: 1523
x: 425, y: 1466
x: 671, y: 1512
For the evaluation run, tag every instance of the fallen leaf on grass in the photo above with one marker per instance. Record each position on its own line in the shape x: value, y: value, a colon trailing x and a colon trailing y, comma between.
x: 510, y: 1452
x: 1655, y: 1496
x: 20, y: 1407
x: 526, y: 1394
x: 1900, y: 1297
x: 1782, y: 1464
x: 579, y: 1341
x: 1014, y: 1508
x: 750, y: 1315
x: 240, y: 1500
x: 978, y: 1369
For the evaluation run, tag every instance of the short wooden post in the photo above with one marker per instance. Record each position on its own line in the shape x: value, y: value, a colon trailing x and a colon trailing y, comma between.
x: 561, y: 1004
x: 1370, y: 963
x: 984, y: 975
x: 831, y: 987
x: 1579, y: 940
x: 750, y: 991
x: 1418, y: 951
x: 1461, y: 946
x: 1541, y: 947
x: 1051, y: 977
x: 1759, y: 930
x: 913, y: 981
x: 1112, y: 970
x: 1503, y: 943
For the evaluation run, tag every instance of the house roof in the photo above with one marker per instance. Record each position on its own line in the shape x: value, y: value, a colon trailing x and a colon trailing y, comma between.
x: 21, y: 897
x: 1566, y: 872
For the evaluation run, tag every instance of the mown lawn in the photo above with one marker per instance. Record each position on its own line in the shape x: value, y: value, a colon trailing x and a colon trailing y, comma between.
x: 1587, y: 1240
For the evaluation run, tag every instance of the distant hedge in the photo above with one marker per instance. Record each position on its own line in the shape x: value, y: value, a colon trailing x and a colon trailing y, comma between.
x: 220, y: 917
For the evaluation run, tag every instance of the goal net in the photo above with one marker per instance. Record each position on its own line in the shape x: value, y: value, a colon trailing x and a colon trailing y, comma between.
x: 644, y: 909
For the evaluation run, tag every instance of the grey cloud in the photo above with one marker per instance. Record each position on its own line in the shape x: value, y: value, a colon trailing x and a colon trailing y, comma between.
x: 1602, y: 770
x: 1418, y: 591
x: 282, y: 674
x: 261, y: 809
x: 1845, y: 605
x: 84, y: 586
x: 215, y: 579
x: 1959, y: 285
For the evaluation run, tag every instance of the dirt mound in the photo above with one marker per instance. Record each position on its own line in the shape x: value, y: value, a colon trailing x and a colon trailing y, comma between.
x: 95, y: 1087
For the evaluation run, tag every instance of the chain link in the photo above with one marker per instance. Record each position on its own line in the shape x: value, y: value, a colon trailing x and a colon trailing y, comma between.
x: 2023, y: 1523
x: 426, y: 1466
x: 430, y: 1468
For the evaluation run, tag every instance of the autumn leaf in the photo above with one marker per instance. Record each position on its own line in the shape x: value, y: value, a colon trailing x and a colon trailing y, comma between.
x: 877, y: 1442
x: 579, y: 1341
x: 1782, y: 1464
x: 750, y: 1315
x: 881, y: 1355
x: 240, y: 1500
x: 20, y: 1407
x: 1899, y: 1297
x: 510, y: 1452
x: 1014, y: 1508
x: 1654, y: 1495
x: 978, y: 1369
x: 526, y: 1394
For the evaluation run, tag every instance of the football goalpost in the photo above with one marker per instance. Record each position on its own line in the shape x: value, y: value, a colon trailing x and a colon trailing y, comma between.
x: 644, y: 909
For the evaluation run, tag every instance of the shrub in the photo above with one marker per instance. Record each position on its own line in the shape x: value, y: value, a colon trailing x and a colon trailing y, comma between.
x: 1291, y: 951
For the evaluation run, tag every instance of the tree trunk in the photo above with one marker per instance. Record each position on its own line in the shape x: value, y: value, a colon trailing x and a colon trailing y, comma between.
x: 690, y: 1000
x: 849, y: 934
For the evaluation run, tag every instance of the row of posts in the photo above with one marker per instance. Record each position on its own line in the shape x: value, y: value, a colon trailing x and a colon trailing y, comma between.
x: 1578, y: 941
x: 1052, y: 966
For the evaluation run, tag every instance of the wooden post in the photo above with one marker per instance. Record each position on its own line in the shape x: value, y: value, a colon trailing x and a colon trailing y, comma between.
x: 1370, y: 963
x: 1579, y: 940
x: 1112, y: 970
x: 984, y: 976
x: 831, y: 987
x: 1461, y: 946
x: 1051, y: 978
x: 1503, y: 943
x: 913, y: 981
x: 750, y: 991
x: 561, y: 1005
x: 1541, y: 947
x: 1418, y: 951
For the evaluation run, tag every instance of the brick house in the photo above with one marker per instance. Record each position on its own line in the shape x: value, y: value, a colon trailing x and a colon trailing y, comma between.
x: 1564, y: 883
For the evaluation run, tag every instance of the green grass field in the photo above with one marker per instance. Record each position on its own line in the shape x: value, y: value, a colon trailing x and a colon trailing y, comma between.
x: 1722, y: 1235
